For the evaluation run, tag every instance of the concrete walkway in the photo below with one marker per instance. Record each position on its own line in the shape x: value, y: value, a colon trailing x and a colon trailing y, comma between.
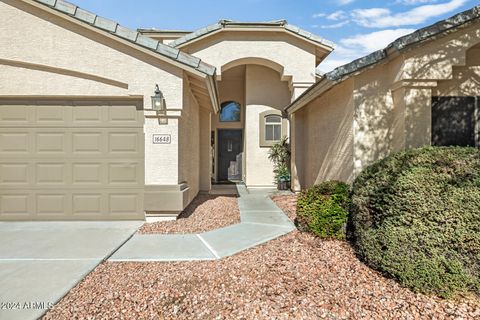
x: 261, y: 221
x: 41, y: 261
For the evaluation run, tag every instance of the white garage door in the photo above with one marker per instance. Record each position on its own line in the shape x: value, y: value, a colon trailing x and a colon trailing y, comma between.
x: 71, y: 160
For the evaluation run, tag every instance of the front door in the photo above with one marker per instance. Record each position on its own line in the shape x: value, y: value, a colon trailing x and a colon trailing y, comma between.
x: 229, y: 155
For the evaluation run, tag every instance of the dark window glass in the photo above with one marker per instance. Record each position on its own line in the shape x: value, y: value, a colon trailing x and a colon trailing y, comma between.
x: 453, y: 121
x: 230, y: 112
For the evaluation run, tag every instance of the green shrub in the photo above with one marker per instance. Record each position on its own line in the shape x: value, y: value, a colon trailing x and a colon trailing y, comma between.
x: 416, y: 217
x: 323, y: 209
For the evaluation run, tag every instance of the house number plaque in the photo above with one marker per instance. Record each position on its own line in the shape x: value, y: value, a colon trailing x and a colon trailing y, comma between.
x: 162, y: 139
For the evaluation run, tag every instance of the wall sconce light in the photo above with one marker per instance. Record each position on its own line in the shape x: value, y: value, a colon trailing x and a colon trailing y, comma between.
x: 158, y: 104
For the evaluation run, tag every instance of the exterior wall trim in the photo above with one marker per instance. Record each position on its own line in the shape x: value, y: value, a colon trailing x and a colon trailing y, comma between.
x: 166, y: 200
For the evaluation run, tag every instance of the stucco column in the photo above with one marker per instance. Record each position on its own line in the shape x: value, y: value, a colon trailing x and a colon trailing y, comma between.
x: 297, y: 155
x: 414, y: 100
x: 205, y: 150
x: 418, y: 117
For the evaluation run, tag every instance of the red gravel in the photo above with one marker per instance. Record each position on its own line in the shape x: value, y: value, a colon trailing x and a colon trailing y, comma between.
x: 297, y: 276
x: 205, y: 213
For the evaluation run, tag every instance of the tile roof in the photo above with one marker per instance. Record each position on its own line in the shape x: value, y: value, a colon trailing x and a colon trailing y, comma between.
x: 403, y: 43
x: 133, y: 36
x: 230, y: 23
x: 344, y: 72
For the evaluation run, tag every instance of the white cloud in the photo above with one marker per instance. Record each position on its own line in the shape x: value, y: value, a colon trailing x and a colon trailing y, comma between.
x: 374, y: 41
x: 384, y: 18
x: 344, y: 2
x: 334, y: 26
x: 360, y: 45
x: 337, y: 15
x: 414, y: 2
x: 331, y: 63
x: 319, y: 15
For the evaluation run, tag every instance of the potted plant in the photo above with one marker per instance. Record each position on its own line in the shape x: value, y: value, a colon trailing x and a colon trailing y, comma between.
x: 282, y: 177
x: 279, y: 154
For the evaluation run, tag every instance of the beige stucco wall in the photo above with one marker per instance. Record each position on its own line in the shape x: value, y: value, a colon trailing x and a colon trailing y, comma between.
x: 264, y: 91
x: 465, y: 80
x: 230, y: 88
x: 435, y: 59
x: 296, y: 56
x: 327, y: 137
x: 378, y: 122
x: 189, y: 144
x: 388, y: 107
x: 69, y: 60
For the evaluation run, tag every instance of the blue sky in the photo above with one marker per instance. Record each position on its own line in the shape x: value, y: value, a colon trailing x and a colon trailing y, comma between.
x: 357, y: 27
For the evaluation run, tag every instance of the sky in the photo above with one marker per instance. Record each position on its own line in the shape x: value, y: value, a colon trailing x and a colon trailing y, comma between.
x: 356, y: 27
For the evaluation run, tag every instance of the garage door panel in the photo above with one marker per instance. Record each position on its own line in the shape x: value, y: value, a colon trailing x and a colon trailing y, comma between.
x: 125, y: 173
x: 124, y: 115
x: 55, y: 203
x: 51, y: 142
x: 15, y: 142
x: 126, y: 143
x: 88, y: 115
x: 52, y: 173
x: 71, y: 161
x: 90, y: 143
x: 16, y: 204
x: 14, y: 174
x: 88, y: 173
x: 124, y: 203
x: 13, y: 115
x: 87, y: 204
x: 52, y: 115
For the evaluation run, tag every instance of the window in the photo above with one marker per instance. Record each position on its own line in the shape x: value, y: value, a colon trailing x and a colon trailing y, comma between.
x: 455, y: 121
x: 230, y: 111
x: 273, y: 128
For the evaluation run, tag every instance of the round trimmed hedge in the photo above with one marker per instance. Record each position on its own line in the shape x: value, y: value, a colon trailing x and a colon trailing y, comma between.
x: 323, y: 210
x: 416, y: 217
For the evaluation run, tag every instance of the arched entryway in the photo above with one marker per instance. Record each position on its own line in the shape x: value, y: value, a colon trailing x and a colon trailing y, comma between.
x: 249, y: 89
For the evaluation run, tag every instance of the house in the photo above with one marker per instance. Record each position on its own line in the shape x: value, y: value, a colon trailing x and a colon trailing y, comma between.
x: 81, y: 137
x: 100, y: 122
x: 422, y: 89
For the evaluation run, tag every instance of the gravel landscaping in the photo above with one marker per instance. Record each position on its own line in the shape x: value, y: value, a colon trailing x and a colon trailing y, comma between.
x: 205, y: 213
x: 296, y: 276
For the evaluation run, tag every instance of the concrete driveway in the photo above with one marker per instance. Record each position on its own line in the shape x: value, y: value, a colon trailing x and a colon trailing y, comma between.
x: 41, y: 261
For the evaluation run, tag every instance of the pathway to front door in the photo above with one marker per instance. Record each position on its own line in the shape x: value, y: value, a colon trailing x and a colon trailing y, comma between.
x: 261, y: 221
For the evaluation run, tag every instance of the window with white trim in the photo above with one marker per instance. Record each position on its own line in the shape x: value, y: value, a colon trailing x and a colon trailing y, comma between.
x: 273, y: 128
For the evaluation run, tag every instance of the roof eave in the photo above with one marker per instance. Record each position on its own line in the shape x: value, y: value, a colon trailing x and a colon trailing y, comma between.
x: 115, y: 31
x: 309, y: 95
x: 281, y: 26
x: 394, y: 49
